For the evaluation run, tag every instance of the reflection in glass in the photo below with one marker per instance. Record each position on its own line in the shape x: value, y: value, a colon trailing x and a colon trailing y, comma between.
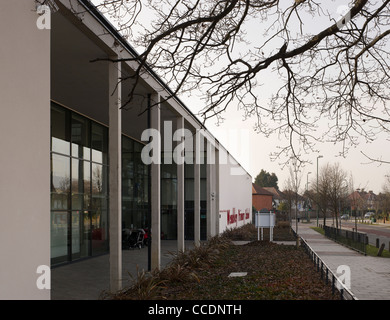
x: 99, y: 232
x: 79, y: 187
x: 75, y: 216
x: 99, y: 143
x: 189, y: 170
x: 59, y: 137
x: 77, y: 184
x: 87, y: 184
x: 59, y: 236
x: 169, y: 171
x: 80, y: 137
x: 60, y: 182
x: 99, y: 179
x: 86, y: 234
x: 169, y: 201
x: 135, y: 188
x: 189, y: 190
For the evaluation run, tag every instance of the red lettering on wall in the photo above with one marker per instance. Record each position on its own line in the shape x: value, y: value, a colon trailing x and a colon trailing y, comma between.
x: 247, y: 213
x: 233, y: 217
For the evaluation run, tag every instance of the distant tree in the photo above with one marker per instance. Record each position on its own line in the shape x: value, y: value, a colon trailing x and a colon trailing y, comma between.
x: 283, y: 206
x: 332, y: 190
x: 291, y: 191
x: 266, y: 179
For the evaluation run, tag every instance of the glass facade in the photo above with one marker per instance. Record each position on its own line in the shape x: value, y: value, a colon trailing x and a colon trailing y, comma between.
x: 135, y: 186
x: 79, y: 189
x: 169, y: 201
x: 189, y: 195
x: 79, y: 186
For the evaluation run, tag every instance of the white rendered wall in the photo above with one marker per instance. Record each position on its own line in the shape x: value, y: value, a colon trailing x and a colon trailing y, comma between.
x: 235, y: 194
x: 25, y: 151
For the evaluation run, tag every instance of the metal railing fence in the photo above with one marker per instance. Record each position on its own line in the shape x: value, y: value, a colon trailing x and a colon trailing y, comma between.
x: 351, y: 239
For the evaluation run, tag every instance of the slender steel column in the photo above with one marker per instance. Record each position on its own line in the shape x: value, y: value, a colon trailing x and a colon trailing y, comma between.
x: 115, y: 176
x: 180, y: 183
x: 197, y: 162
x: 156, y: 187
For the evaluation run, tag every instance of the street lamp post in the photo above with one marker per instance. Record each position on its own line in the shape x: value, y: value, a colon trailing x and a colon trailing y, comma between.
x: 317, y: 188
x: 307, y: 197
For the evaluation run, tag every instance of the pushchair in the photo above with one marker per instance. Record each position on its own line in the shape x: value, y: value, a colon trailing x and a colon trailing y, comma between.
x: 132, y: 239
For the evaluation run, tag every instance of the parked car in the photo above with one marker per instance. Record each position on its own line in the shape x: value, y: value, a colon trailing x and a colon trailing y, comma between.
x: 368, y: 215
x: 344, y: 217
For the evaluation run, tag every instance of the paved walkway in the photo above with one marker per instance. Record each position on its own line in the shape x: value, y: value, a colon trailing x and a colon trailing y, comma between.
x: 87, y: 279
x: 370, y: 276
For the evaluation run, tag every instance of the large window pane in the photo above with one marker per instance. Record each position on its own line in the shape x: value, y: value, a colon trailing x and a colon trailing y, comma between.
x: 87, y: 185
x: 59, y: 133
x: 99, y: 143
x: 59, y: 236
x: 189, y: 190
x: 169, y: 208
x: 77, y: 184
x: 169, y: 171
x: 75, y: 216
x: 86, y: 234
x: 189, y: 170
x: 99, y: 232
x: 60, y: 182
x: 168, y: 192
x: 203, y: 188
x: 81, y: 238
x: 99, y: 179
x: 127, y: 145
x: 80, y: 137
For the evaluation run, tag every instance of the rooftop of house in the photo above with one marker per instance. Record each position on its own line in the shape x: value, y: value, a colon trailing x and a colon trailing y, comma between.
x: 260, y: 190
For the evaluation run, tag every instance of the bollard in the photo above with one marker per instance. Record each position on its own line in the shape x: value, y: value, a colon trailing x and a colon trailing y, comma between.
x: 379, y: 254
x: 377, y: 242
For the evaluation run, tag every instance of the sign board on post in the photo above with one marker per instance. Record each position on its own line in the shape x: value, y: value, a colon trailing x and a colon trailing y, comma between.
x: 265, y: 220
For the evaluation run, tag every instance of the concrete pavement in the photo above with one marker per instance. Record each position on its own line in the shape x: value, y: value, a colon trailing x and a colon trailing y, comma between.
x: 87, y: 279
x: 370, y: 276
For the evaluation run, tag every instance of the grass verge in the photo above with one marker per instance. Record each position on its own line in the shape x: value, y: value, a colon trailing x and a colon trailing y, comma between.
x: 371, y: 251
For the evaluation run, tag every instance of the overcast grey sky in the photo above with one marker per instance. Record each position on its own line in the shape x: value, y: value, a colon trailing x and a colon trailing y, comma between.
x: 366, y: 174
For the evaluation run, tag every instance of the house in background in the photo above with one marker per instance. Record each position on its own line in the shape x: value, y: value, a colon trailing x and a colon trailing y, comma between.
x: 261, y: 198
x: 278, y: 196
x: 362, y: 200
